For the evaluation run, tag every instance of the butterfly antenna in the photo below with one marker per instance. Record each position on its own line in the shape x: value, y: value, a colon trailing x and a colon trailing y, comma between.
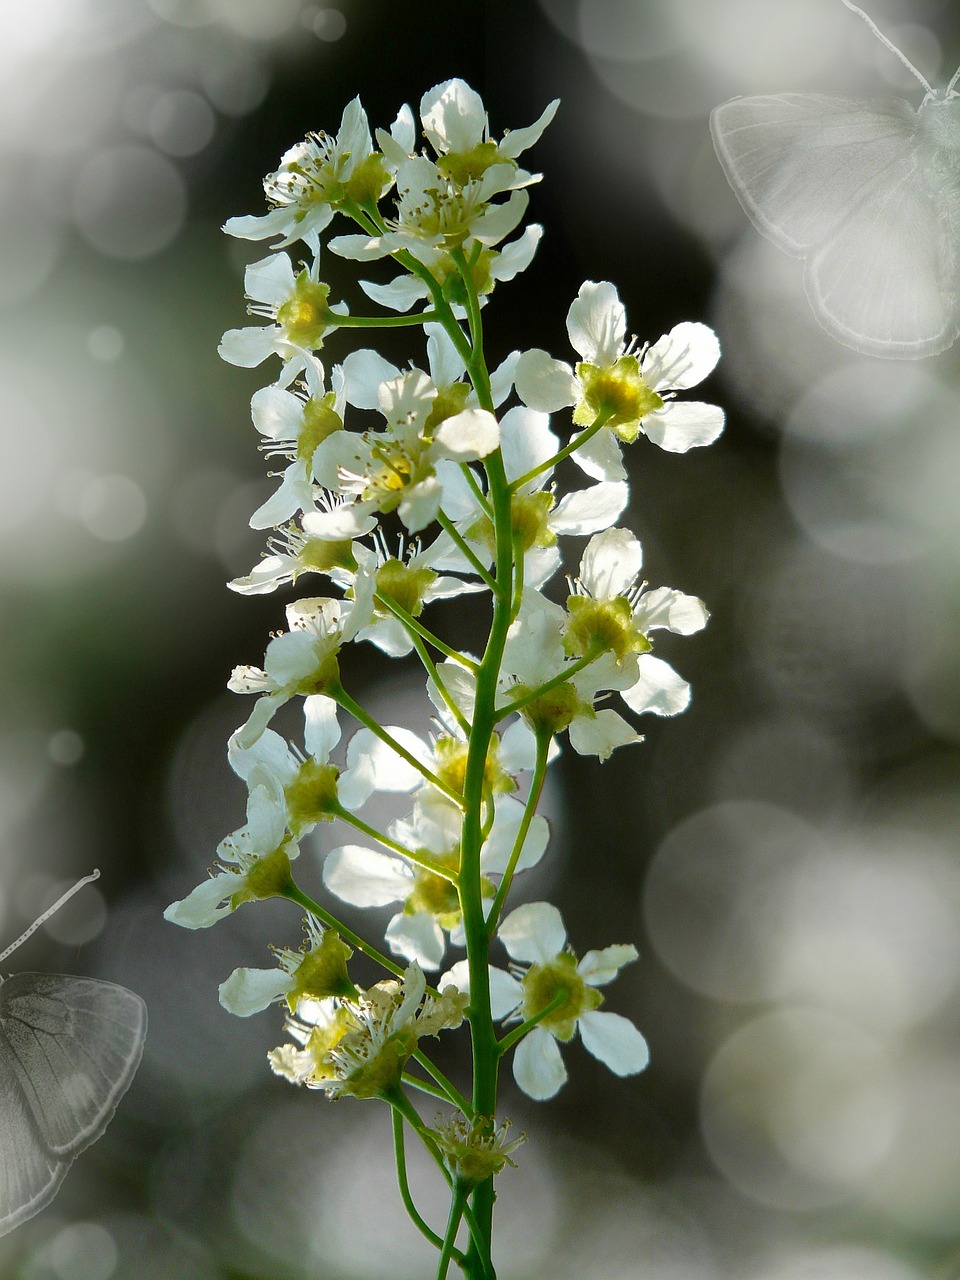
x: 953, y: 83
x: 65, y: 897
x: 892, y: 47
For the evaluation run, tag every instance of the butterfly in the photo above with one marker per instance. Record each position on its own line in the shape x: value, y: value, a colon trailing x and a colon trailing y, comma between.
x: 867, y: 192
x: 69, y: 1048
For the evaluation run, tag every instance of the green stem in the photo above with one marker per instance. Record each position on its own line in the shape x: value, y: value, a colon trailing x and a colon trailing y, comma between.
x: 386, y: 322
x: 467, y: 472
x: 295, y: 894
x: 453, y: 1094
x: 519, y: 1032
x: 424, y: 1086
x: 437, y: 868
x: 575, y: 444
x: 520, y: 565
x: 448, y: 699
x: 530, y: 809
x: 448, y: 1245
x: 404, y: 1185
x: 411, y: 623
x: 398, y: 1099
x: 560, y: 678
x: 476, y: 564
x: 343, y: 699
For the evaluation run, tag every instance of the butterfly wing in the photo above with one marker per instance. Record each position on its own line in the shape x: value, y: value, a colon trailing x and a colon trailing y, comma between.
x: 886, y: 281
x: 29, y: 1172
x: 850, y: 185
x: 800, y: 162
x: 73, y: 1045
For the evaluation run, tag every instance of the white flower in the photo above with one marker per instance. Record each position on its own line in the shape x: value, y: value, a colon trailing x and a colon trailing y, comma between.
x: 323, y: 544
x: 430, y: 902
x: 316, y: 972
x: 292, y: 426
x: 455, y: 123
x: 535, y: 655
x: 252, y: 863
x: 534, y: 935
x: 363, y: 1056
x: 607, y: 606
x: 300, y: 661
x: 313, y: 179
x: 632, y: 390
x: 445, y: 204
x: 526, y: 443
x: 396, y: 469
x: 296, y: 303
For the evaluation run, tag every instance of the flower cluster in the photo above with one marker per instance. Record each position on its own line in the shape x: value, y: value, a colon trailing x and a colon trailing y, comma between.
x: 397, y: 487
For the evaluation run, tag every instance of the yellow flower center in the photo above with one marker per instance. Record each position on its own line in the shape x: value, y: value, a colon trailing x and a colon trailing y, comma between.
x: 558, y: 981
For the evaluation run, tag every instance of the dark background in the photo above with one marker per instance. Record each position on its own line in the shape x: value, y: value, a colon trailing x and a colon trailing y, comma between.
x: 784, y: 854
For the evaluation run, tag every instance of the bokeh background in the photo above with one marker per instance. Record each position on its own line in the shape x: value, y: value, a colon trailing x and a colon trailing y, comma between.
x: 785, y: 854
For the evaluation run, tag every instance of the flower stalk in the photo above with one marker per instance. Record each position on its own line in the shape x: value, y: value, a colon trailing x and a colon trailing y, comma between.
x: 469, y: 478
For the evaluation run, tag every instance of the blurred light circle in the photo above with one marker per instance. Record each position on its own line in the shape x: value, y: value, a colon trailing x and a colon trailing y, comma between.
x: 870, y: 928
x: 80, y: 1251
x: 919, y: 1185
x: 799, y: 1108
x: 233, y: 82
x: 181, y: 122
x: 148, y: 1249
x: 827, y: 637
x: 835, y: 496
x: 867, y: 400
x: 711, y: 901
x: 184, y: 13
x: 773, y: 348
x: 617, y: 28
x: 786, y: 761
x: 330, y: 25
x: 841, y: 1262
x: 129, y: 202
x: 65, y: 747
x: 932, y: 670
x: 29, y: 248
x: 113, y: 508
x: 254, y: 20
x: 29, y: 450
x: 78, y: 921
x: 754, y: 44
x: 105, y: 343
x: 668, y: 87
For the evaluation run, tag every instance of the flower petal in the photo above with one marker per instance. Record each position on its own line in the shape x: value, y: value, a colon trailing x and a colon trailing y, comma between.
x: 248, y: 347
x: 600, y: 457
x: 683, y: 424
x: 526, y: 441
x: 248, y: 991
x: 590, y: 510
x: 600, y: 735
x: 611, y: 563
x: 597, y: 323
x: 533, y: 933
x: 659, y: 689
x: 614, y: 1041
x: 416, y: 937
x: 468, y: 435
x: 365, y: 877
x: 597, y: 968
x: 537, y: 1065
x: 363, y: 372
x: 681, y: 358
x: 399, y: 294
x: 544, y: 383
